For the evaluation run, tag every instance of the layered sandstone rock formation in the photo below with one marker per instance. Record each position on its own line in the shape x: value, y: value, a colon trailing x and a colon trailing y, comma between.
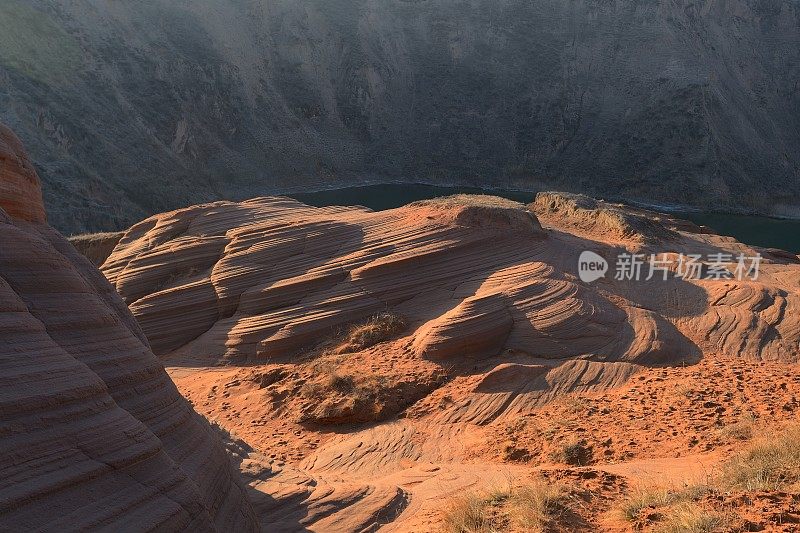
x: 257, y: 307
x: 263, y: 279
x: 495, y: 324
x: 20, y: 191
x: 93, y: 433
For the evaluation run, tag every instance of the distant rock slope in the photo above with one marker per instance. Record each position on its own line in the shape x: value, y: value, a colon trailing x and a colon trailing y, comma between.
x: 135, y: 108
x: 93, y: 433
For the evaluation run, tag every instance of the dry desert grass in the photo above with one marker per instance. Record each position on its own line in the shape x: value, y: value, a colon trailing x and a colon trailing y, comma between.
x: 530, y: 508
x: 769, y: 463
x: 766, y: 464
x: 376, y: 329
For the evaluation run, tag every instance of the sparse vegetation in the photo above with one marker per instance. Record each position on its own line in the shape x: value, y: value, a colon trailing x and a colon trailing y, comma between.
x: 468, y: 514
x: 574, y: 404
x: 767, y: 464
x: 340, y: 397
x: 377, y: 329
x: 654, y: 500
x: 741, y: 430
x: 692, y: 518
x: 336, y: 390
x: 685, y: 390
x: 576, y: 453
x: 650, y: 499
x: 534, y: 507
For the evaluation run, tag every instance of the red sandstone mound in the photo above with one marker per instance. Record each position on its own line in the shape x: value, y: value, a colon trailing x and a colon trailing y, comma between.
x: 93, y: 433
x: 481, y: 320
x: 264, y: 279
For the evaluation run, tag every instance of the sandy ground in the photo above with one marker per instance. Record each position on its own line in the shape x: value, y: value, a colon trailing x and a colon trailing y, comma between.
x: 666, y: 426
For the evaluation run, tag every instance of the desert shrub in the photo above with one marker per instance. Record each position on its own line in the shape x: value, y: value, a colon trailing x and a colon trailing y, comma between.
x: 377, y: 329
x: 576, y: 453
x: 743, y: 429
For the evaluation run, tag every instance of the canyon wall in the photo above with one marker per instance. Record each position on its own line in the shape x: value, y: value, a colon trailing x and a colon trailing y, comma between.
x: 133, y: 109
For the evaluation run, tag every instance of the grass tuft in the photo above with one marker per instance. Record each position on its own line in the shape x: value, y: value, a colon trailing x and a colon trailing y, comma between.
x: 767, y: 464
x: 653, y: 500
x: 377, y: 329
x: 534, y: 507
x: 691, y: 518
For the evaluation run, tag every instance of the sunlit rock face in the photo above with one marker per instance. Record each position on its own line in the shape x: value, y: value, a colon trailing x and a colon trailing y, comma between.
x: 265, y: 279
x: 93, y: 433
x: 265, y: 312
x: 132, y: 109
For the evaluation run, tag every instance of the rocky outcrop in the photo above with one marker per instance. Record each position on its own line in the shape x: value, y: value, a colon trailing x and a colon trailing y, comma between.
x: 264, y: 279
x: 93, y: 433
x: 132, y: 110
x: 20, y: 191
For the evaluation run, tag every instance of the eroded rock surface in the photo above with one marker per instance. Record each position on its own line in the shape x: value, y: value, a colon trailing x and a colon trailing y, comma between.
x: 20, y: 191
x: 253, y: 307
x: 265, y: 279
x: 93, y: 433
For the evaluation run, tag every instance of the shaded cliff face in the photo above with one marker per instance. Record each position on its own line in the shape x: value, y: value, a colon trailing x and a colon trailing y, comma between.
x: 131, y: 109
x: 93, y: 432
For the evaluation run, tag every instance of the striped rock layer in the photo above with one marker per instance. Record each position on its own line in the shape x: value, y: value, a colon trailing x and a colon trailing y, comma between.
x: 20, y: 190
x: 498, y: 323
x: 93, y: 433
x: 476, y: 276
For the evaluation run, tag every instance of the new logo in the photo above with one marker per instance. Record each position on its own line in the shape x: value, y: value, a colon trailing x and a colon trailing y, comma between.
x: 591, y: 267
